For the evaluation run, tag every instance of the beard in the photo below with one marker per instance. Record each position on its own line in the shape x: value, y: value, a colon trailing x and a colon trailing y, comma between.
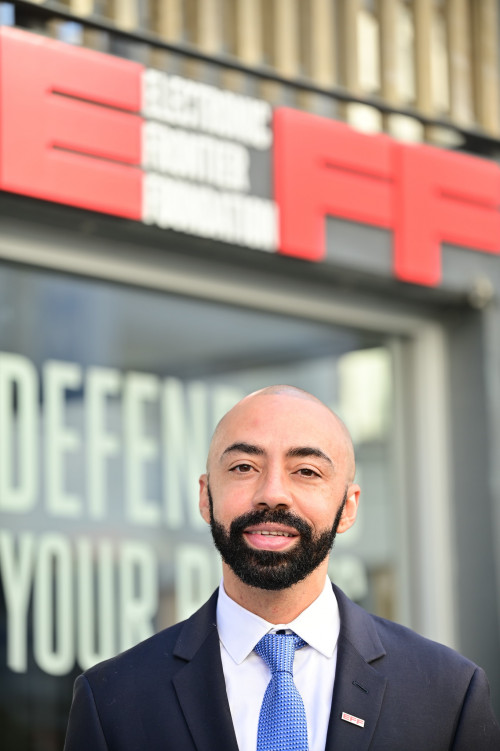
x: 270, y: 569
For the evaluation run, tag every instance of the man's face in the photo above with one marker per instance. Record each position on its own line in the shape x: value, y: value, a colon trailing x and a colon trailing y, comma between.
x: 281, y: 486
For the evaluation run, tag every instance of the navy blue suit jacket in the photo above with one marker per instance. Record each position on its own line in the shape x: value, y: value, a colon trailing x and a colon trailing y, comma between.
x: 168, y: 693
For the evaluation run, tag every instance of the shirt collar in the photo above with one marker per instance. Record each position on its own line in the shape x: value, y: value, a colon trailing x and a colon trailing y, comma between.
x: 240, y: 630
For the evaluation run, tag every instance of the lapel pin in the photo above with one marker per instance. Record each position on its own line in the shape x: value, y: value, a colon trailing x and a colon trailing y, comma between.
x: 353, y: 720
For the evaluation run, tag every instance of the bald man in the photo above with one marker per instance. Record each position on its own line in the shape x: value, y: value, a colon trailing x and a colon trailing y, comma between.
x: 279, y: 486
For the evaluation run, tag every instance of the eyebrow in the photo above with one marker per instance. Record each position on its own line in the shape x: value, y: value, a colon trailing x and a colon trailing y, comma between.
x: 243, y: 448
x: 305, y: 451
x: 299, y: 451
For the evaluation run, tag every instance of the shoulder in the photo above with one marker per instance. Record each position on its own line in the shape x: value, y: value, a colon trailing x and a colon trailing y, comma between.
x: 166, y: 651
x: 391, y: 645
x: 446, y: 688
x: 409, y: 648
x: 138, y: 663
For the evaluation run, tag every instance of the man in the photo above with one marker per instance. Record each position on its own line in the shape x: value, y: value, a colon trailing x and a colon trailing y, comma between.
x: 279, y: 486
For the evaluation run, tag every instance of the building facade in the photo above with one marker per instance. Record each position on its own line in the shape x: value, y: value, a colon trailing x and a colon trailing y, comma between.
x: 202, y: 198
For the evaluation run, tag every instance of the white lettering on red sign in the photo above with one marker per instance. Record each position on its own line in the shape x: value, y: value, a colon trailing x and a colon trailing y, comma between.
x: 135, y: 142
x: 198, y: 106
x: 199, y: 182
x: 170, y: 151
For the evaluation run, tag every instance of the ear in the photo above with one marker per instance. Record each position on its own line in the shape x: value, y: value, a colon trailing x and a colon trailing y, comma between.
x: 204, y: 504
x: 350, y: 509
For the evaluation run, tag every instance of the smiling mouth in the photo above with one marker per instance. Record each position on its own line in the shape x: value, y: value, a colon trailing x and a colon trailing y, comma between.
x: 272, y: 534
x: 271, y: 537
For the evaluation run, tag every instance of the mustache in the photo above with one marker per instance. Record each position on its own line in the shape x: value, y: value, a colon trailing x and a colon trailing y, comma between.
x: 278, y: 516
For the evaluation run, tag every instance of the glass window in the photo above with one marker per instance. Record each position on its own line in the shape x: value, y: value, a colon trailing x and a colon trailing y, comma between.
x: 108, y: 398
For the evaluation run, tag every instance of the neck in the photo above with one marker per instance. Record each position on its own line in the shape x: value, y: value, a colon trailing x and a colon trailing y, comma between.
x: 276, y: 606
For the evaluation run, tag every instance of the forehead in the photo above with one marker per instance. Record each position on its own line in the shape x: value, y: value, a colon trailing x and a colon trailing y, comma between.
x: 278, y: 422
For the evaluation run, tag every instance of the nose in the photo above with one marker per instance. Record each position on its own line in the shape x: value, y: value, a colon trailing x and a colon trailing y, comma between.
x: 273, y: 490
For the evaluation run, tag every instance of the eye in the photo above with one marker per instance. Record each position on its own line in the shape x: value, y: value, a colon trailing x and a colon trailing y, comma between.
x: 307, y: 472
x: 242, y: 468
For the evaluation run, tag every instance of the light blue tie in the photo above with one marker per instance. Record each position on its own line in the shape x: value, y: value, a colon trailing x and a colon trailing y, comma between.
x: 282, y: 721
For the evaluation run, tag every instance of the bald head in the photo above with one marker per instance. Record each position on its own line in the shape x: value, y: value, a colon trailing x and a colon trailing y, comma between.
x: 292, y: 401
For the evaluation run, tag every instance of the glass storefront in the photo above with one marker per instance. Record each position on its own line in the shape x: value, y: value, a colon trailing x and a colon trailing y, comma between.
x: 108, y: 398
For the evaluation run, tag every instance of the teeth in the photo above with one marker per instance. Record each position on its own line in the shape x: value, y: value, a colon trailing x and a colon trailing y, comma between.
x: 274, y: 534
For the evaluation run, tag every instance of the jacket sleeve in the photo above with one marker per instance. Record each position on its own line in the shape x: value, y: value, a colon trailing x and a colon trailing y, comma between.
x: 477, y: 727
x: 84, y: 727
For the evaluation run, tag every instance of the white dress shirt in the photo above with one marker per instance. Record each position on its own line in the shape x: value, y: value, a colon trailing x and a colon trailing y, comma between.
x: 247, y: 675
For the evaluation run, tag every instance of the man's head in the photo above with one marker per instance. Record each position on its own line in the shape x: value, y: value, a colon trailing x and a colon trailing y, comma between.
x: 279, y: 485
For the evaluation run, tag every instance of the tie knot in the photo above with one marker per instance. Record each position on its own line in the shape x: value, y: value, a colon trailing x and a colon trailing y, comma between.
x: 278, y: 651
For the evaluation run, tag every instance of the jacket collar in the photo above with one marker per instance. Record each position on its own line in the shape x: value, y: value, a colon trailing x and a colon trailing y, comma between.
x: 358, y: 627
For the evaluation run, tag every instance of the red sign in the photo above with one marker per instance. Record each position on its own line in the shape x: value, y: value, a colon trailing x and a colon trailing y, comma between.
x: 425, y: 195
x: 71, y: 132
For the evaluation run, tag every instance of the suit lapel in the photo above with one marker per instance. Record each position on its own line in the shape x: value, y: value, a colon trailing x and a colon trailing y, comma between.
x: 200, y: 684
x: 359, y: 687
x: 358, y: 692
